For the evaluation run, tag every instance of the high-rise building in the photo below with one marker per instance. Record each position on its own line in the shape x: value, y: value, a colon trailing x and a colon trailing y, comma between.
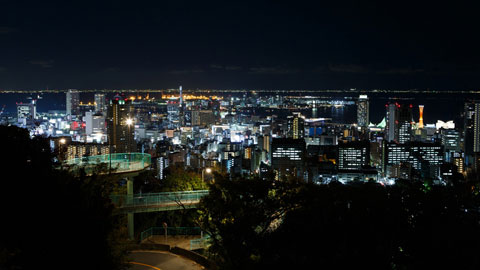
x: 288, y: 157
x: 26, y: 111
x: 404, y: 126
x: 458, y: 160
x: 99, y: 102
x: 181, y: 108
x: 353, y: 155
x: 391, y: 118
x: 73, y: 102
x: 266, y: 143
x: 426, y: 158
x: 476, y: 129
x: 363, y: 114
x: 451, y: 140
x: 200, y: 117
x: 399, y: 123
x: 120, y: 125
x: 173, y: 114
x: 468, y: 131
x: 296, y: 126
x: 94, y: 123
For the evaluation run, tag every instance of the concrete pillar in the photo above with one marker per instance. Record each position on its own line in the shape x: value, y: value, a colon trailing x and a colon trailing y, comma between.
x: 131, y: 235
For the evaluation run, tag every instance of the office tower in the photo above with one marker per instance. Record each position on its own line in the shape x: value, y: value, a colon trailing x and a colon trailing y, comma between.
x: 451, y: 140
x: 404, y: 123
x: 391, y: 117
x: 99, y: 102
x: 468, y: 131
x: 458, y: 160
x: 353, y: 155
x: 27, y: 111
x: 120, y: 125
x: 181, y: 108
x: 363, y: 114
x: 203, y: 118
x: 288, y: 157
x: 420, y: 119
x: 399, y: 123
x: 296, y: 126
x: 476, y: 129
x: 94, y: 123
x: 173, y: 114
x: 72, y: 102
x: 266, y: 143
x: 426, y: 158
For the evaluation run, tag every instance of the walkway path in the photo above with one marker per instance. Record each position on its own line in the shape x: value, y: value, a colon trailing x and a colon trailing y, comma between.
x: 155, y: 260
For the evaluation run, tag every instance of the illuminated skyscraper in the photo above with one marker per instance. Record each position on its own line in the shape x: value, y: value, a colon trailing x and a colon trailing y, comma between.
x: 476, y: 129
x: 73, y: 102
x: 120, y: 125
x: 468, y: 131
x: 363, y: 114
x: 353, y: 155
x: 296, y: 126
x: 26, y: 111
x: 404, y: 123
x: 399, y: 123
x: 99, y: 102
x: 288, y: 157
x: 390, y: 118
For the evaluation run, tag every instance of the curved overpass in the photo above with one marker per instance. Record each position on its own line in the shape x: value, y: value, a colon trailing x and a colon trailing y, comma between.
x: 117, y: 163
x: 155, y: 202
x: 127, y: 165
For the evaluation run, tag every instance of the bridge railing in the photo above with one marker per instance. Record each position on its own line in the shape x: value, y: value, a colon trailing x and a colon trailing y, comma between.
x: 116, y: 162
x: 171, y: 231
x: 200, y: 243
x: 157, y: 199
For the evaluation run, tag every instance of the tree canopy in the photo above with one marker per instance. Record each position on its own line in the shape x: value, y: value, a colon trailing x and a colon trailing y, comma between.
x: 257, y: 224
x: 52, y: 219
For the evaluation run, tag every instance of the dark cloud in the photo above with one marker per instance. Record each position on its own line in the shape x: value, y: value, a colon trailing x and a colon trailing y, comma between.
x: 226, y: 67
x: 111, y: 70
x: 232, y: 68
x: 400, y: 71
x: 7, y: 30
x: 42, y: 63
x: 215, y: 66
x: 185, y: 71
x: 311, y: 45
x: 273, y: 70
x: 348, y: 68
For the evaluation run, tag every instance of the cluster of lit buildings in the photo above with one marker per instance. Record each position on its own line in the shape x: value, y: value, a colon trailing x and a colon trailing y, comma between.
x: 263, y: 135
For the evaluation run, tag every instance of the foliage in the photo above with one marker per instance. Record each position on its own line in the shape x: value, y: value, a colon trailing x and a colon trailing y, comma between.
x: 52, y: 219
x: 240, y: 215
x: 179, y: 179
x: 264, y: 224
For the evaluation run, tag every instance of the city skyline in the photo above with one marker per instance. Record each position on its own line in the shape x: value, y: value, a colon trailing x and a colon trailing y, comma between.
x: 219, y: 134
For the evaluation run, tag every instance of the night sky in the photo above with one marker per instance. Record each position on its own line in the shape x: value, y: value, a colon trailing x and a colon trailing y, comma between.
x: 239, y: 45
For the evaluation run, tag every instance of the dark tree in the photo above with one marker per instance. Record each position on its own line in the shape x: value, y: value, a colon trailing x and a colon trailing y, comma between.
x: 264, y: 224
x: 51, y: 219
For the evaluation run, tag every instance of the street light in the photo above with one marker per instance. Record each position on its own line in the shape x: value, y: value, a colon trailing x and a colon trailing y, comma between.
x: 206, y: 170
x: 62, y: 142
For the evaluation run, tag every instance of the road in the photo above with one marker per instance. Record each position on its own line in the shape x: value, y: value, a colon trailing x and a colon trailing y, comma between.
x: 158, y: 260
